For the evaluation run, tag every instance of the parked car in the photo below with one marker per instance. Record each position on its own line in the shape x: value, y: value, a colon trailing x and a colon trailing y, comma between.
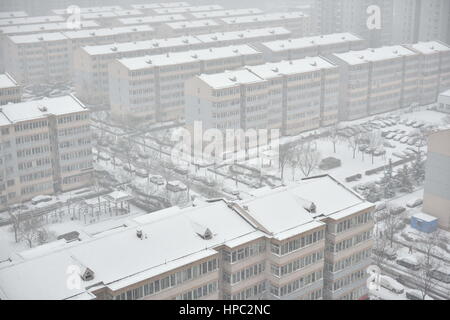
x: 158, y: 180
x: 391, y: 284
x: 129, y: 167
x: 231, y: 191
x: 396, y: 210
x: 404, y: 139
x: 414, y: 203
x: 409, y: 262
x: 416, y: 295
x: 175, y: 186
x: 103, y: 156
x: 141, y: 173
x: 40, y: 199
x: 441, y: 274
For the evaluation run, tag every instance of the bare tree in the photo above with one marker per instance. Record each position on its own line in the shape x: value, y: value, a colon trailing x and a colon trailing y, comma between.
x: 429, y: 262
x: 294, y: 160
x: 308, y: 158
x: 375, y: 141
x: 32, y: 231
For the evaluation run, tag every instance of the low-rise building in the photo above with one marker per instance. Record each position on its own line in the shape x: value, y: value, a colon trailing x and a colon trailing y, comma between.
x: 10, y: 91
x: 315, y: 248
x: 30, y: 20
x: 46, y: 148
x: 190, y: 27
x: 152, y: 87
x: 444, y: 102
x: 226, y: 13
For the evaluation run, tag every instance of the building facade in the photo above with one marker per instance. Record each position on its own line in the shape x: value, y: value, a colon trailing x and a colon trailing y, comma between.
x: 152, y: 87
x: 314, y: 249
x: 10, y: 91
x: 46, y: 148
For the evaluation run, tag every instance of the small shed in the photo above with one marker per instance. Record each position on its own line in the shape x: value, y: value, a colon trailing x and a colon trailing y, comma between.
x: 424, y: 222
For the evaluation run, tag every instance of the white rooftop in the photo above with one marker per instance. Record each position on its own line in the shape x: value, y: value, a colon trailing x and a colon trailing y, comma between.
x: 6, y: 81
x: 44, y: 27
x: 430, y: 47
x: 445, y: 93
x: 137, y: 63
x: 160, y: 5
x: 31, y: 20
x: 425, y: 217
x: 187, y: 9
x: 17, y: 112
x: 226, y: 13
x: 264, y: 17
x: 229, y: 79
x: 152, y: 19
x: 191, y: 24
x: 276, y: 69
x: 89, y: 9
x: 374, y: 55
x: 37, y: 37
x: 247, y: 34
x: 306, y: 42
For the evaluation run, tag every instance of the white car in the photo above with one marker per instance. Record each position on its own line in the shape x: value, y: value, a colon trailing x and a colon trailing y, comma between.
x: 414, y: 203
x: 141, y: 173
x: 103, y: 156
x: 416, y: 295
x: 391, y: 284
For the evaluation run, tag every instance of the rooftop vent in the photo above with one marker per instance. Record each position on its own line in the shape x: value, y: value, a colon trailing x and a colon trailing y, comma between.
x: 361, y: 57
x: 234, y: 79
x: 235, y: 50
x: 194, y: 56
x: 139, y: 234
x: 41, y: 38
x: 214, y: 38
x: 275, y: 69
x: 92, y: 33
x: 245, y: 207
x: 314, y: 64
x: 185, y: 41
x: 86, y: 274
x: 272, y: 31
x: 148, y: 61
x: 114, y: 49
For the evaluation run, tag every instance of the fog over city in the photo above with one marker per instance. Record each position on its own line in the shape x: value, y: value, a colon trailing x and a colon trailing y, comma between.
x: 225, y: 150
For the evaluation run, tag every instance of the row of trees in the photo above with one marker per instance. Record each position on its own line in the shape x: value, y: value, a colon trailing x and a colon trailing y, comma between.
x: 302, y: 156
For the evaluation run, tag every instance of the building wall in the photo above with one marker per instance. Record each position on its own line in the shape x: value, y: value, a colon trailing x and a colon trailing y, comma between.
x: 437, y: 178
x: 12, y: 94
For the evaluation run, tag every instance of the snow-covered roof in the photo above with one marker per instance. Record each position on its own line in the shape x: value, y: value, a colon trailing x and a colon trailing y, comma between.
x: 89, y: 9
x: 424, y: 217
x: 31, y: 20
x: 160, y: 5
x: 141, y: 45
x: 269, y: 17
x: 445, y: 93
x: 188, y: 9
x: 230, y: 79
x: 35, y: 109
x: 374, y: 55
x: 105, y: 32
x: 6, y: 81
x: 55, y: 26
x: 13, y: 14
x: 38, y: 37
x: 173, y: 58
x: 430, y: 47
x: 307, y: 42
x: 152, y: 19
x: 226, y: 13
x: 276, y: 69
x: 192, y: 24
x: 168, y: 239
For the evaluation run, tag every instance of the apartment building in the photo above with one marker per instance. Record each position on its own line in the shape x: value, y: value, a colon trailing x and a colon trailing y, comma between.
x: 436, y: 199
x: 377, y: 80
x: 65, y: 12
x: 46, y: 148
x: 295, y: 253
x: 10, y: 91
x: 293, y: 96
x: 30, y: 20
x: 111, y: 18
x: 296, y: 22
x: 152, y: 87
x: 421, y: 20
x: 354, y: 16
x: 299, y: 48
x: 434, y: 69
x: 48, y: 57
x: 91, y: 62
